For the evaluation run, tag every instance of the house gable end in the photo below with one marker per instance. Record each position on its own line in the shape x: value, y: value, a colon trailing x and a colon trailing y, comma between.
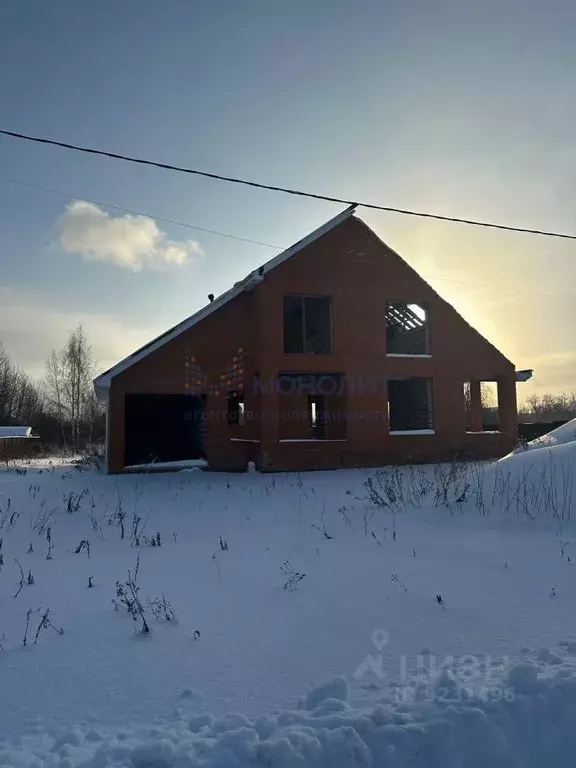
x: 352, y: 259
x: 471, y: 334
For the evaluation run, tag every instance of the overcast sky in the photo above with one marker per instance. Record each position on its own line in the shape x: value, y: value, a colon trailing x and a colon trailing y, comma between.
x: 461, y: 108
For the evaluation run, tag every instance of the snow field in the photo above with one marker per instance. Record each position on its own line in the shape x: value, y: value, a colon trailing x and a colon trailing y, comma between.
x: 406, y: 595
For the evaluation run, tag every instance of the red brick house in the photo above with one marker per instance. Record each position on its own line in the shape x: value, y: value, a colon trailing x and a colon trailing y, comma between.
x: 335, y: 353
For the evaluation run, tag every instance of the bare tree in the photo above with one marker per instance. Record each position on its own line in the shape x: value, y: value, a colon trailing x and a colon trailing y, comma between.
x: 69, y: 389
x: 78, y: 370
x: 54, y: 388
x: 20, y: 400
x: 7, y: 387
x: 549, y: 407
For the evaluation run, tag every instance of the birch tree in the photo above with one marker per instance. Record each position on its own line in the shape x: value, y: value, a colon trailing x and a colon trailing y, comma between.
x: 54, y: 388
x: 69, y: 389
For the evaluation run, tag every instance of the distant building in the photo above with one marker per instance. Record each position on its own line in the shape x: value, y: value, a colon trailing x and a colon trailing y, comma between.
x: 17, y: 443
x: 335, y: 353
x: 13, y: 432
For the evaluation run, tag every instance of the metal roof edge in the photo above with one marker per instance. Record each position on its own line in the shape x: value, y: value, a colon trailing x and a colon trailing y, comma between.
x: 524, y: 375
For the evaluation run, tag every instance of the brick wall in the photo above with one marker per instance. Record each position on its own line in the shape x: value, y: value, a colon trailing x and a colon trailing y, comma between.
x: 361, y: 274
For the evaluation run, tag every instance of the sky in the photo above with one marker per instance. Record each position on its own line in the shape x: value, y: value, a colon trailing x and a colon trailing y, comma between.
x: 454, y: 107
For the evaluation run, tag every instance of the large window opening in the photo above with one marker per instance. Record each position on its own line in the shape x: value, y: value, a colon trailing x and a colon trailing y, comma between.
x: 308, y: 325
x: 481, y: 406
x: 410, y: 405
x: 407, y: 329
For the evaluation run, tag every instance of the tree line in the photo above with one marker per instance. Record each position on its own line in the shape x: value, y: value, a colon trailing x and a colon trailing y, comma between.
x: 62, y: 407
x: 548, y: 408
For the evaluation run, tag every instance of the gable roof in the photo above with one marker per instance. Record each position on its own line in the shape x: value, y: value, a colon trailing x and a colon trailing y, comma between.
x: 102, y: 382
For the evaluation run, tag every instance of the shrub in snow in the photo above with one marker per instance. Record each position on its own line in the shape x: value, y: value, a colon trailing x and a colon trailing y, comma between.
x: 42, y: 519
x: 8, y: 518
x: 118, y: 517
x: 73, y: 500
x: 49, y: 540
x: 293, y: 577
x: 128, y: 597
x: 162, y: 609
x: 94, y: 459
x: 21, y: 585
x: 84, y: 544
x: 46, y: 623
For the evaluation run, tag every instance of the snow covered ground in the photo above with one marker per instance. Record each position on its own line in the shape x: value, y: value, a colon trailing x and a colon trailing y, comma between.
x: 422, y: 616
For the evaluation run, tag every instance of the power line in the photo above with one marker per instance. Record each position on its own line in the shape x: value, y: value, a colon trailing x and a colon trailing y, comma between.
x: 138, y: 213
x: 287, y: 190
x: 278, y: 248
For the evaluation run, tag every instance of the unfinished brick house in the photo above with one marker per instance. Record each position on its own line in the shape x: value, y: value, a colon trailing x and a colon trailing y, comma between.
x: 335, y: 353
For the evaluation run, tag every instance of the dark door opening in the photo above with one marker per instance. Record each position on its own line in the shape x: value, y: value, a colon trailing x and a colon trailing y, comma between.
x: 163, y: 428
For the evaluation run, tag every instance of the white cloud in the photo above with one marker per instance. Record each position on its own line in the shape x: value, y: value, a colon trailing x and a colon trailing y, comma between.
x: 132, y: 242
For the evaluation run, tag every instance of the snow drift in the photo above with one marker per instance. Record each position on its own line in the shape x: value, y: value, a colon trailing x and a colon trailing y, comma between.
x: 526, y: 720
x: 538, y: 478
x: 563, y: 434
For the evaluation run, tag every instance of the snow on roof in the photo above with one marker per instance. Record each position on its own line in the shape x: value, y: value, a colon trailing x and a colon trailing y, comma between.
x: 102, y: 382
x: 15, y: 431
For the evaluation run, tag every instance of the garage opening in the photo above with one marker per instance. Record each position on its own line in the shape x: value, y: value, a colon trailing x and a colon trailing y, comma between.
x: 410, y: 405
x: 161, y: 428
x: 407, y: 329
